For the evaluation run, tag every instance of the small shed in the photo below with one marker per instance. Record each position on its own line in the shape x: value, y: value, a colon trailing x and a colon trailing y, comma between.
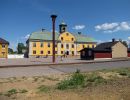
x: 87, y: 53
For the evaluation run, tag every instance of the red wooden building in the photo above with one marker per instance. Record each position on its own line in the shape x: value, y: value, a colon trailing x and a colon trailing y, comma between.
x: 128, y: 52
x: 114, y: 49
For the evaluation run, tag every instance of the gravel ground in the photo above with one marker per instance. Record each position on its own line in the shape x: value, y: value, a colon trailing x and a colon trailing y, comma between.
x: 59, y: 69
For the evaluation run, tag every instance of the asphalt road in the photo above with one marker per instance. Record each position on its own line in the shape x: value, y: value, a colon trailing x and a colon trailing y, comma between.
x: 59, y: 69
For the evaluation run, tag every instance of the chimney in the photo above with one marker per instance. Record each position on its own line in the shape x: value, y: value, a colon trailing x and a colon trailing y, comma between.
x: 43, y: 29
x: 79, y: 33
x: 113, y: 40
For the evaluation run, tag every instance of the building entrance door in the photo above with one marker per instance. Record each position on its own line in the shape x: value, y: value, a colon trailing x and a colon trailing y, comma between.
x: 67, y: 53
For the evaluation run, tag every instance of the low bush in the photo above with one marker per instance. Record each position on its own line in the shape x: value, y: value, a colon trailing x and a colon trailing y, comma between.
x: 43, y: 88
x: 124, y: 72
x: 23, y: 91
x: 11, y: 92
x: 76, y: 80
x: 14, y: 91
x: 94, y: 79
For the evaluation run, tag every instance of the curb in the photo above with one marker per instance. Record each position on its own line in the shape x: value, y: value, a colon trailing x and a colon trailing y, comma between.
x: 51, y: 64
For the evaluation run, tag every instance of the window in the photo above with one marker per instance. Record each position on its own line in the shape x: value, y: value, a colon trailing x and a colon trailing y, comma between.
x: 67, y: 34
x: 41, y: 45
x: 41, y: 52
x: 34, y: 44
x: 83, y: 46
x: 92, y: 46
x: 72, y: 39
x: 67, y: 46
x: 48, y: 52
x: 88, y: 46
x: 64, y: 29
x: 72, y: 45
x: 55, y: 52
x: 61, y: 52
x: 61, y: 45
x: 3, y: 45
x: 48, y: 44
x: 62, y: 38
x: 34, y: 51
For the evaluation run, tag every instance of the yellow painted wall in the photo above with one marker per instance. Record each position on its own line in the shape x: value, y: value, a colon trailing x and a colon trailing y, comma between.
x: 45, y: 48
x: 80, y: 46
x: 67, y: 39
x: 4, y: 50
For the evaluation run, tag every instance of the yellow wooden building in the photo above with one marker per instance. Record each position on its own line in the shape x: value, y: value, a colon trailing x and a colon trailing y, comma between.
x: 40, y: 43
x: 3, y: 48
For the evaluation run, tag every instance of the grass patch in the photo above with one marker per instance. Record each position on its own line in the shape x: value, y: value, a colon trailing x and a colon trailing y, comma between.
x: 24, y: 78
x: 1, y: 93
x: 14, y: 91
x: 76, y: 80
x: 94, y: 80
x: 11, y: 92
x: 79, y: 80
x: 124, y: 72
x: 44, y: 88
x: 36, y: 79
x: 23, y: 91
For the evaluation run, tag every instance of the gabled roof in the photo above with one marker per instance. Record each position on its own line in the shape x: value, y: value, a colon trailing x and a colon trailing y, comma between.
x: 45, y: 35
x: 2, y: 41
x: 105, y: 46
x: 83, y: 38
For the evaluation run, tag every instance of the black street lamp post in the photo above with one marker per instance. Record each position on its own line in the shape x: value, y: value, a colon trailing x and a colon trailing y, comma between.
x: 53, y: 37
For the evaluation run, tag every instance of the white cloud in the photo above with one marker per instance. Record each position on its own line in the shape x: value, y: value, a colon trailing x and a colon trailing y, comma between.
x: 125, y: 26
x: 27, y: 36
x: 106, y: 26
x: 113, y: 27
x: 79, y: 27
x: 128, y: 38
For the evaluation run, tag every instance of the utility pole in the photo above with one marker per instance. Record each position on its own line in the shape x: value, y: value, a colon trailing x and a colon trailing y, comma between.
x: 53, y: 37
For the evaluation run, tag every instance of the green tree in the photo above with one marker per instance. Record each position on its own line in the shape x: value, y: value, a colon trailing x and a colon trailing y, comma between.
x: 10, y: 51
x: 125, y: 43
x: 20, y: 48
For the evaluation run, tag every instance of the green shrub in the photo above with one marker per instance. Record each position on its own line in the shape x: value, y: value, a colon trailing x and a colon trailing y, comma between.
x: 77, y: 71
x: 14, y: 91
x: 76, y: 80
x: 11, y: 92
x: 94, y: 79
x: 23, y: 91
x: 124, y: 72
x: 43, y: 88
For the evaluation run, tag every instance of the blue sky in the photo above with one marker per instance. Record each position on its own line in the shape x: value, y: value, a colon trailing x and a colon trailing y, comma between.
x: 100, y: 19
